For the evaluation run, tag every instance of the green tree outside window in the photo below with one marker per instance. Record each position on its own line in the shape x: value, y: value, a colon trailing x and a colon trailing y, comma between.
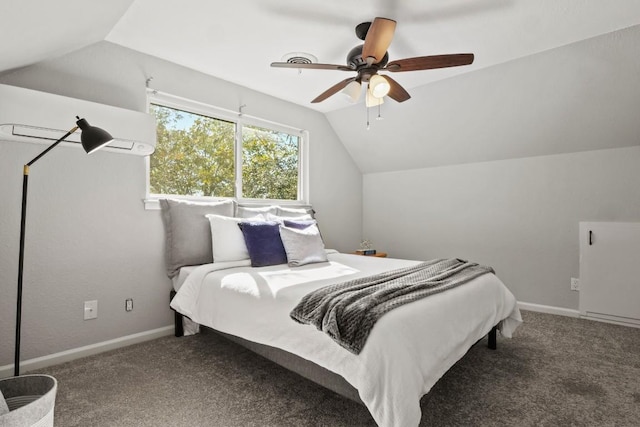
x: 195, y: 156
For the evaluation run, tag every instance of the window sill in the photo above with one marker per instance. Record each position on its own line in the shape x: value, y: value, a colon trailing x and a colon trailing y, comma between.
x: 151, y: 204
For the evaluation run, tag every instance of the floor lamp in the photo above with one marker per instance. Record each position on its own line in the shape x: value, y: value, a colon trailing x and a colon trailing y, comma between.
x: 92, y: 139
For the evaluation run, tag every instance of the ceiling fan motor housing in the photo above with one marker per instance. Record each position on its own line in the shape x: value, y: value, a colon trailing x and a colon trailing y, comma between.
x: 356, y: 61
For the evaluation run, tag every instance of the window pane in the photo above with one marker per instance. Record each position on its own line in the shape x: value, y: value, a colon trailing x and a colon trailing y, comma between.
x: 194, y: 154
x: 269, y: 164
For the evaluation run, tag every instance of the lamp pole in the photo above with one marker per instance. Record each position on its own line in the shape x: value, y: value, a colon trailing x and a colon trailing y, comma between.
x: 23, y: 223
x: 97, y: 139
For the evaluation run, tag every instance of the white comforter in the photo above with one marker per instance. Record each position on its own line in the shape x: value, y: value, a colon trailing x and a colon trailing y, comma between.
x: 408, y: 349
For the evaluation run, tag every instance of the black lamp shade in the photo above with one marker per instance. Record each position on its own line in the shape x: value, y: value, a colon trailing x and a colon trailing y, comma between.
x: 92, y: 138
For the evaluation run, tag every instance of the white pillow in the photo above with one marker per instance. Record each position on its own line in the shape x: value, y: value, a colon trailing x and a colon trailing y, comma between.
x: 227, y: 238
x: 303, y: 246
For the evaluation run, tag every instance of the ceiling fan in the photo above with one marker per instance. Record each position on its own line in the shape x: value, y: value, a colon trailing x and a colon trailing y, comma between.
x: 371, y: 57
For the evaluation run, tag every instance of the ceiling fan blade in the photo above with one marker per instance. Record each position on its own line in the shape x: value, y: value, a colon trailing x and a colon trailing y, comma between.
x: 333, y: 89
x: 397, y: 92
x: 378, y: 39
x: 430, y: 62
x: 311, y: 66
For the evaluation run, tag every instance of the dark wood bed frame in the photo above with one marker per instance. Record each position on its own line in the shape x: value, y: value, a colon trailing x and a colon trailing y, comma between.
x: 297, y: 364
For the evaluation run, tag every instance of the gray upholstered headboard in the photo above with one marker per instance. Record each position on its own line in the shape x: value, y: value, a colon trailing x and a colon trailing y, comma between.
x: 187, y: 231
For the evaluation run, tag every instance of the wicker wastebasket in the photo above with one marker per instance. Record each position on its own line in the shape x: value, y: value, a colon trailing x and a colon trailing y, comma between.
x: 30, y: 400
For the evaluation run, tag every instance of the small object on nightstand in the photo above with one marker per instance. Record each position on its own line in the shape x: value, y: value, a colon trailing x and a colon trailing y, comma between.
x: 366, y: 248
x: 377, y: 254
x: 366, y: 244
x: 366, y: 251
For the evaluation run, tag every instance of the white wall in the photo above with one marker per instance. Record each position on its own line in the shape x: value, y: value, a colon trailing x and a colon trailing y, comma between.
x: 519, y: 216
x: 88, y: 235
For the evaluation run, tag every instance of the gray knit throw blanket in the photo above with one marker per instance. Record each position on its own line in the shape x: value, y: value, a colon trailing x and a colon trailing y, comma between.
x: 347, y: 311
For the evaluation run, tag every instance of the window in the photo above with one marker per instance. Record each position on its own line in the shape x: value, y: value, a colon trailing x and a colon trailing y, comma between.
x: 202, y: 151
x: 194, y: 154
x: 269, y: 164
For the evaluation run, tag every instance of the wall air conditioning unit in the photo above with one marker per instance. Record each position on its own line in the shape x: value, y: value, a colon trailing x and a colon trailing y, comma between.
x: 32, y: 116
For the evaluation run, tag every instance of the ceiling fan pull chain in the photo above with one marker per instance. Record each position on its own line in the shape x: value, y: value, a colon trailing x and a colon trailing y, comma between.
x: 368, y: 126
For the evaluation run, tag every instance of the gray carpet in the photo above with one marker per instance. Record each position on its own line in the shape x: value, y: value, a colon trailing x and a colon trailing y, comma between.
x: 556, y: 371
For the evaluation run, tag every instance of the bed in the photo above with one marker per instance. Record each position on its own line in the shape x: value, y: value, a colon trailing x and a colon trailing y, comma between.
x: 407, y: 351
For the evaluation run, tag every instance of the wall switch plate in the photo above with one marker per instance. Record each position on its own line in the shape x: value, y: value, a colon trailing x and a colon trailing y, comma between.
x: 90, y: 309
x: 575, y: 284
x: 128, y: 304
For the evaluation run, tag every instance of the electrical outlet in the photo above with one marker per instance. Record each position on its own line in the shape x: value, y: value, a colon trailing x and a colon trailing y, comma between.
x: 575, y: 284
x: 128, y: 304
x: 90, y: 309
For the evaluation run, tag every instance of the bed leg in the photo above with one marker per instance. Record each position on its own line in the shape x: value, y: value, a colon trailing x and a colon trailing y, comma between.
x: 177, y: 318
x: 492, y: 338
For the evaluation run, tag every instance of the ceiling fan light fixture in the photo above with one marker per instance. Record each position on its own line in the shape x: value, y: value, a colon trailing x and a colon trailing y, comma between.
x: 379, y: 86
x: 372, y: 101
x: 352, y: 91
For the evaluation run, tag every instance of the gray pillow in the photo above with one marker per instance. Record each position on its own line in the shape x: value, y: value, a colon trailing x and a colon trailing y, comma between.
x: 248, y: 212
x: 187, y: 231
x: 303, y: 246
x: 294, y: 212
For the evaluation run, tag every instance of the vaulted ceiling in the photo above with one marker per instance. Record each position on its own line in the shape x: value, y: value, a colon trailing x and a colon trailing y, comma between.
x: 549, y: 76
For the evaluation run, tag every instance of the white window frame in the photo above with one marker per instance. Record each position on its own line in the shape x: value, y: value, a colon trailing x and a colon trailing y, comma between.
x: 240, y: 119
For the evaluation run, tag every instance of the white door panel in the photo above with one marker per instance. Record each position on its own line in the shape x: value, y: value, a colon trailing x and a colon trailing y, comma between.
x: 610, y: 270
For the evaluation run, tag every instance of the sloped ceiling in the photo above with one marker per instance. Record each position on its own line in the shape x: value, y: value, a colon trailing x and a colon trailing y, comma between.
x: 580, y: 97
x: 550, y: 76
x: 35, y: 30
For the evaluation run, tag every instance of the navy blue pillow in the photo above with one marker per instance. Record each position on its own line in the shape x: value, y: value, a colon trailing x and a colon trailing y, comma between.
x: 299, y: 224
x: 263, y: 243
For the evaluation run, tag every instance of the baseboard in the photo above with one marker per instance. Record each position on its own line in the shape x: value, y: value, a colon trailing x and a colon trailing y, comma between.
x: 549, y: 309
x: 576, y: 313
x: 89, y: 350
x: 616, y: 320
